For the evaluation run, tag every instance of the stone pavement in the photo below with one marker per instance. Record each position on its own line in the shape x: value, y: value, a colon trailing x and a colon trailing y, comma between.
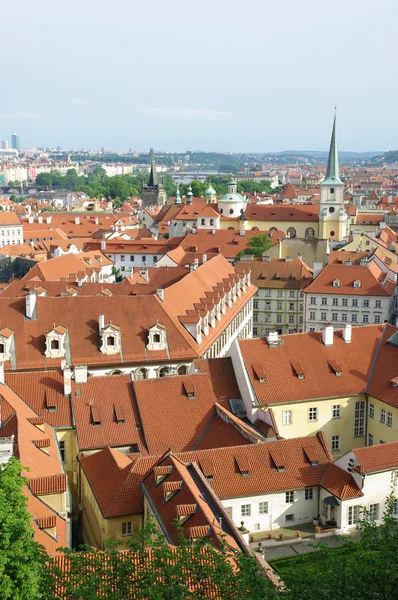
x: 303, y: 547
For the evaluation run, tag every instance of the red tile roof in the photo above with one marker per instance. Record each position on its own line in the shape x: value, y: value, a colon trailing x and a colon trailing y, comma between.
x: 282, y: 383
x: 340, y: 483
x: 8, y: 217
x: 53, y: 484
x: 283, y: 212
x: 278, y: 273
x: 223, y: 241
x: 377, y: 458
x: 222, y: 377
x: 370, y: 276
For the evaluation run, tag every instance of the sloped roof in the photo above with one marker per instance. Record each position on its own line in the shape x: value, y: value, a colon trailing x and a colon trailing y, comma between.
x: 371, y: 277
x: 377, y: 458
x: 340, y: 483
x: 278, y: 273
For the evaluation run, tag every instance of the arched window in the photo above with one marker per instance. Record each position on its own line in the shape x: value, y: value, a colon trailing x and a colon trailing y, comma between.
x: 203, y: 222
x: 156, y: 338
x: 54, y: 345
x: 310, y: 232
x: 291, y: 232
x: 273, y: 229
x: 110, y: 341
x: 183, y: 370
x: 231, y: 228
x: 255, y: 229
x: 117, y: 372
x: 211, y: 221
x: 221, y: 210
x: 164, y: 371
x: 140, y: 374
x: 231, y: 211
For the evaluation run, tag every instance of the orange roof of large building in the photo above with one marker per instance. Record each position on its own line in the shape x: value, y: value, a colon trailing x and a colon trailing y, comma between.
x: 340, y: 483
x: 283, y: 212
x: 278, y: 273
x: 8, y: 217
x: 227, y: 242
x: 282, y: 383
x: 373, y: 281
x: 72, y: 224
x: 67, y: 266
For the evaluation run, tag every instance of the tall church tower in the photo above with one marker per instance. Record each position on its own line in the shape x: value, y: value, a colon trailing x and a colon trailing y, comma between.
x: 153, y: 194
x: 332, y: 215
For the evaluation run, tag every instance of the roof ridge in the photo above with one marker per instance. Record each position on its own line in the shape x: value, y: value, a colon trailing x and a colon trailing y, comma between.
x: 373, y: 367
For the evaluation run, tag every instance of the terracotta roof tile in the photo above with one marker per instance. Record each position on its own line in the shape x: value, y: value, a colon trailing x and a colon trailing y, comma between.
x: 340, y: 483
x: 53, y: 484
x: 377, y: 458
x: 370, y: 276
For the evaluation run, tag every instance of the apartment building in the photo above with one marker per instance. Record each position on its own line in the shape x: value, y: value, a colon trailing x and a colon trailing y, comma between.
x: 11, y: 229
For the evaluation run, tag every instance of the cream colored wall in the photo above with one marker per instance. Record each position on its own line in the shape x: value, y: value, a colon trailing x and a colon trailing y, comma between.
x: 71, y: 450
x: 300, y: 226
x: 301, y: 426
x: 113, y: 528
x: 55, y: 501
x: 381, y: 431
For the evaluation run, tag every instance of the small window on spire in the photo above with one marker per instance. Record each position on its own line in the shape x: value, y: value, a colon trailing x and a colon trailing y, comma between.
x: 332, y: 190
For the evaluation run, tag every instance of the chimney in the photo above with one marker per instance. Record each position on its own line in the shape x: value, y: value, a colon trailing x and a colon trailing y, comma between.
x: 30, y: 305
x: 67, y: 381
x: 30, y: 219
x: 160, y: 294
x: 81, y: 374
x: 327, y: 334
x: 103, y: 245
x: 1, y: 375
x: 40, y: 219
x: 101, y: 323
x: 96, y: 221
x: 272, y: 337
x: 48, y: 220
x: 299, y: 256
x: 77, y: 220
x: 213, y: 232
x: 204, y: 259
x: 347, y: 332
x: 288, y: 259
x: 383, y: 225
x: 242, y: 232
x: 317, y: 268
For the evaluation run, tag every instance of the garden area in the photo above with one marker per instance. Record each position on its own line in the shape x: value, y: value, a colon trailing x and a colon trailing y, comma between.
x: 310, y: 563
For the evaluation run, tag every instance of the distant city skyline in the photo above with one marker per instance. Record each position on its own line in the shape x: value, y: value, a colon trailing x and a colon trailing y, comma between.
x: 262, y: 79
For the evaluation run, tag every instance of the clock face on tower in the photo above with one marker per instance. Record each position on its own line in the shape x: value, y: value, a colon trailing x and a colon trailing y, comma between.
x: 332, y: 209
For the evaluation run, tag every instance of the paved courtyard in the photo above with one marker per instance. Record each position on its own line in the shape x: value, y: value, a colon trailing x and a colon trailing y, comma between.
x: 303, y: 547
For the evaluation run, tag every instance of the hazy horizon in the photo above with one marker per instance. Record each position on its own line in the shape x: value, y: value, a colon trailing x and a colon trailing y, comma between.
x: 257, y: 77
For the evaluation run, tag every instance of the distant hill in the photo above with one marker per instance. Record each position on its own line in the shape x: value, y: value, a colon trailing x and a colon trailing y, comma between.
x: 385, y: 158
x: 322, y: 155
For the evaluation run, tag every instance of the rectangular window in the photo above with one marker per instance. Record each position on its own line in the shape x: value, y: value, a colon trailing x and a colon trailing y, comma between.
x: 268, y: 306
x: 255, y: 304
x: 122, y: 257
x: 291, y: 294
x: 366, y: 303
x: 354, y: 318
x: 312, y: 414
x: 287, y: 417
x: 353, y: 515
x: 377, y: 319
x: 365, y: 318
x: 335, y: 302
x: 245, y: 510
x: 279, y: 293
x: 378, y: 304
x: 155, y: 259
x: 254, y: 330
x: 370, y: 439
x: 359, y: 421
x: 255, y: 317
x: 324, y: 301
x: 291, y: 306
x: 371, y: 410
x: 336, y: 411
x: 291, y: 318
x: 127, y: 528
x: 374, y: 512
x: 344, y: 317
x: 312, y: 300
x: 334, y: 316
x: 289, y: 497
x: 279, y: 318
x: 389, y: 418
x: 383, y: 413
x: 62, y: 450
x: 323, y: 316
x: 381, y: 441
x: 309, y: 493
x: 131, y: 258
x: 263, y: 508
x: 335, y: 442
x: 355, y: 302
x: 312, y: 316
x: 228, y: 510
x: 279, y: 306
x: 289, y: 519
x: 344, y: 301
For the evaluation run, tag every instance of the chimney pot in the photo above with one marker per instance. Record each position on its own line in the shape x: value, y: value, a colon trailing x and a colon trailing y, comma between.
x: 272, y: 337
x: 101, y: 322
x: 160, y: 294
x: 327, y: 334
x: 347, y: 333
x: 67, y: 381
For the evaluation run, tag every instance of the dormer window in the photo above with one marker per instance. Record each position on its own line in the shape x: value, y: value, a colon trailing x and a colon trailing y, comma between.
x: 111, y: 339
x: 336, y: 283
x: 357, y: 283
x: 55, y: 342
x: 157, y: 337
x: 6, y: 338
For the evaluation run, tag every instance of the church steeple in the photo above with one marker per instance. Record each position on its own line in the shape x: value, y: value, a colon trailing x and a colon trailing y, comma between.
x: 332, y: 171
x: 153, y: 176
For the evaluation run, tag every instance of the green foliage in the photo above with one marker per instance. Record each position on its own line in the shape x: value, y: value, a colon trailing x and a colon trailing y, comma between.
x: 193, y: 571
x: 117, y: 274
x: 364, y: 570
x: 256, y: 246
x: 21, y: 559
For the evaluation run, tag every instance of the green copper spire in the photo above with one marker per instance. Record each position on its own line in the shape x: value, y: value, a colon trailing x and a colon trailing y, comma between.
x: 177, y: 199
x: 332, y: 172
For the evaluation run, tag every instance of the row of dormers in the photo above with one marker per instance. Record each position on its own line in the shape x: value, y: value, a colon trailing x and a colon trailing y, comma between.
x: 210, y: 309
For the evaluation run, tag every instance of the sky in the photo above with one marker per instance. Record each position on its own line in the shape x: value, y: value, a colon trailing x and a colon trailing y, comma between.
x: 253, y: 76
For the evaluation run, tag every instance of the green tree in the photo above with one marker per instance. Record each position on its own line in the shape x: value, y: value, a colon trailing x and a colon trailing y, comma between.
x: 153, y: 570
x: 21, y: 558
x: 256, y: 246
x: 117, y: 274
x: 364, y: 570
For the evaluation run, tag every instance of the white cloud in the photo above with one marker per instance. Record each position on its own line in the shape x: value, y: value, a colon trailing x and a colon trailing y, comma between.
x: 190, y: 114
x: 75, y: 101
x: 20, y: 115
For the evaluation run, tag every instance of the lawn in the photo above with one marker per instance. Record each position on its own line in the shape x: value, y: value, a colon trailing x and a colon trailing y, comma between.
x: 308, y: 562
